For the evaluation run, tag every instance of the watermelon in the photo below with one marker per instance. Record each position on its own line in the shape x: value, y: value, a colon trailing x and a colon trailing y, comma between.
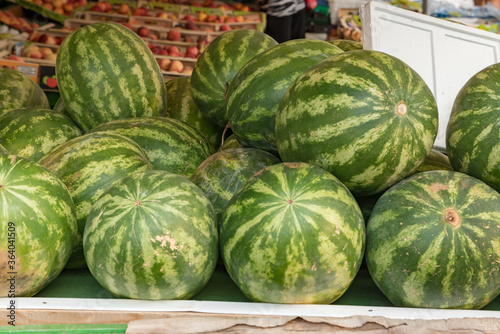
x: 292, y: 234
x: 38, y: 226
x: 152, y: 235
x: 230, y: 142
x: 3, y: 150
x: 433, y: 240
x: 17, y: 90
x: 255, y: 92
x: 88, y: 165
x: 217, y: 66
x: 435, y: 160
x: 32, y: 132
x: 181, y: 106
x: 105, y: 71
x: 364, y: 116
x: 60, y: 107
x: 170, y: 144
x: 224, y: 172
x: 473, y: 132
x: 347, y: 44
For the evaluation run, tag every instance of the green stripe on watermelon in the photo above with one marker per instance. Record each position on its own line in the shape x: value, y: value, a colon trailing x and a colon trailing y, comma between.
x: 224, y: 172
x: 17, y: 90
x: 90, y: 164
x: 255, y: 92
x: 38, y: 227
x: 152, y: 235
x: 105, y: 71
x: 292, y: 234
x: 365, y: 116
x: 217, y: 66
x: 170, y: 144
x: 347, y: 45
x: 473, y: 132
x: 433, y: 241
x: 181, y: 106
x: 32, y: 132
x: 3, y: 150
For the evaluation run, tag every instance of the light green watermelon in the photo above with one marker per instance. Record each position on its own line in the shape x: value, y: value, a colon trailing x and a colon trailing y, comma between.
x: 105, y: 71
x: 170, y: 144
x: 433, y: 241
x: 292, y: 234
x: 17, y: 90
x: 152, y: 235
x: 38, y: 227
x: 33, y: 132
x: 88, y: 165
x: 364, y: 116
x: 217, y: 66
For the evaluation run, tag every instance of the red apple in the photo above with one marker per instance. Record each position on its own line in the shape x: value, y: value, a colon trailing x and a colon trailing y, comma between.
x: 188, y: 17
x: 14, y: 58
x: 190, y: 25
x: 229, y: 19
x: 106, y: 6
x: 164, y: 63
x: 192, y: 52
x: 176, y: 66
x: 124, y: 9
x: 174, y: 35
x: 211, y: 18
x: 156, y: 50
x: 225, y: 27
x: 68, y: 7
x: 153, y: 36
x: 143, y: 31
x: 35, y: 54
x: 173, y: 49
x: 163, y: 52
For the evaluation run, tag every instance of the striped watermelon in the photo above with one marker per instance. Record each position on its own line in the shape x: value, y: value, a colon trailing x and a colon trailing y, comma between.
x: 230, y: 142
x: 473, y: 132
x: 435, y: 160
x: 181, y: 106
x: 224, y: 172
x: 365, y: 116
x: 17, y: 90
x: 433, y: 240
x: 32, y: 132
x: 105, y: 71
x: 170, y: 144
x: 152, y: 235
x: 90, y: 164
x: 292, y: 234
x: 60, y: 107
x: 347, y: 44
x: 255, y: 92
x: 217, y: 66
x: 38, y: 227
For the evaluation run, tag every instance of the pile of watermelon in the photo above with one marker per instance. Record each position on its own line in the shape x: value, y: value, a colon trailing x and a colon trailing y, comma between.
x: 287, y: 165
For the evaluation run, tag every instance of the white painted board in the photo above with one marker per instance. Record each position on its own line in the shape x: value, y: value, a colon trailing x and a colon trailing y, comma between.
x: 444, y: 53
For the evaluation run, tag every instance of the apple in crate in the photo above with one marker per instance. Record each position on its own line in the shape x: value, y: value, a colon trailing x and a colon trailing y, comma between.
x: 192, y: 52
x: 174, y: 35
x: 176, y: 66
x: 124, y: 9
x: 225, y: 27
x: 143, y: 31
x: 164, y: 63
x: 14, y: 58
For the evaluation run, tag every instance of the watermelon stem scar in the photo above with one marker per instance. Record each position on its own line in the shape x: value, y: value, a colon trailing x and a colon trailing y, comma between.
x: 401, y: 108
x: 452, y: 217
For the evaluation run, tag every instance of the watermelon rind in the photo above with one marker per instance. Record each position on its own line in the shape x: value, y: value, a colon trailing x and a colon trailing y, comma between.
x: 292, y: 234
x: 38, y: 226
x: 152, y: 235
x: 433, y: 241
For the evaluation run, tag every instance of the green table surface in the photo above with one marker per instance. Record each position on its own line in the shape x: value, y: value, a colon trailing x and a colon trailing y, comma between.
x: 81, y: 284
